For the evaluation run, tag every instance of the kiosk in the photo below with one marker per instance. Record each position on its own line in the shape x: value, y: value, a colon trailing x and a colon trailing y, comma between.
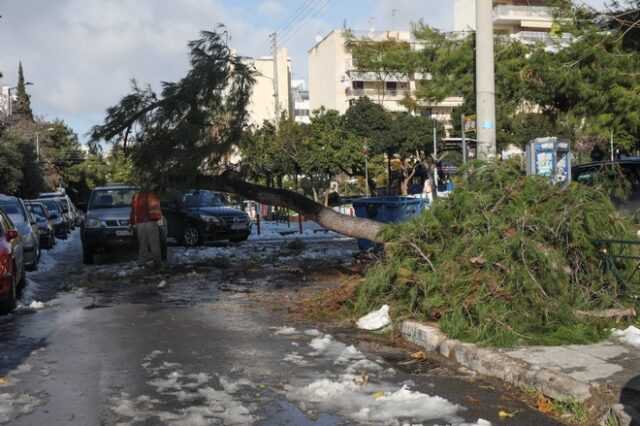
x: 550, y: 157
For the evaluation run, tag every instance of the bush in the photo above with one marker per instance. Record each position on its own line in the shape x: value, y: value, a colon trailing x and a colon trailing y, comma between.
x: 505, y: 260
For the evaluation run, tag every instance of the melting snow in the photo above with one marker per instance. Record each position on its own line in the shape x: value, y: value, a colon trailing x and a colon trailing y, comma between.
x: 12, y: 406
x: 375, y: 320
x: 359, y: 393
x: 199, y: 403
x: 630, y: 336
x: 286, y: 331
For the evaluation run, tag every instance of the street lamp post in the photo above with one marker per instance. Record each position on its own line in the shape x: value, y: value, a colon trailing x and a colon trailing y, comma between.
x: 38, y: 143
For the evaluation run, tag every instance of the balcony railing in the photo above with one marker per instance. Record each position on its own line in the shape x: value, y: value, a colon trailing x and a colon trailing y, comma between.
x: 541, y: 36
x: 388, y: 93
x: 511, y: 13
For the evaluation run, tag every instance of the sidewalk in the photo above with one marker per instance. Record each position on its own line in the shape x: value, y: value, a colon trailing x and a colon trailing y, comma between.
x: 602, y: 376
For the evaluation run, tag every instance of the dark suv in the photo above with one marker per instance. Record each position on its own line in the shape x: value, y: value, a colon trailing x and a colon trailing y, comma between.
x: 630, y: 167
x: 200, y: 215
x: 106, y: 227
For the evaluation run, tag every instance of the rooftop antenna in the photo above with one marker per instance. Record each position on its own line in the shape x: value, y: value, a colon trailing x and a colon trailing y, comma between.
x: 393, y: 18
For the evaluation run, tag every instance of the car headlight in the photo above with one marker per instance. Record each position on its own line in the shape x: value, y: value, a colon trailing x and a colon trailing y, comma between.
x: 92, y: 223
x: 211, y: 219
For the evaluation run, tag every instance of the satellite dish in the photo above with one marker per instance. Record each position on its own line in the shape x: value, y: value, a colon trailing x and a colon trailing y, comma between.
x: 318, y: 38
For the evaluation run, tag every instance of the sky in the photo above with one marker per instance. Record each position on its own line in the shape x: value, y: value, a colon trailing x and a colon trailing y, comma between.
x: 81, y: 55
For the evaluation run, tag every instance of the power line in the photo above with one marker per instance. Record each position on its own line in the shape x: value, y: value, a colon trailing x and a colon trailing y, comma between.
x: 299, y: 14
x: 303, y: 24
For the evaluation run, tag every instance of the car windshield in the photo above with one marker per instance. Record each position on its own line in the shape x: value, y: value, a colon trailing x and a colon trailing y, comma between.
x: 64, y: 203
x: 52, y: 206
x: 37, y: 211
x: 14, y: 211
x: 112, y: 198
x: 203, y: 199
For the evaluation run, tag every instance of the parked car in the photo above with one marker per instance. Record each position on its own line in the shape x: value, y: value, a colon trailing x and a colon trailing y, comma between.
x: 106, y: 226
x: 12, y: 273
x: 630, y: 167
x: 200, y: 215
x: 56, y: 216
x: 46, y: 230
x: 26, y: 226
x: 68, y: 209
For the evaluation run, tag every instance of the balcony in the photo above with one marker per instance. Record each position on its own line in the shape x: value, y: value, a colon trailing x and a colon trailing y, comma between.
x: 374, y: 94
x: 515, y: 15
x: 529, y: 37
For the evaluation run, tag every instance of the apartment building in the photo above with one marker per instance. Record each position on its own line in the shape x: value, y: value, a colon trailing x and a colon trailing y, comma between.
x: 335, y: 81
x: 262, y: 103
x: 300, y: 98
x: 524, y: 20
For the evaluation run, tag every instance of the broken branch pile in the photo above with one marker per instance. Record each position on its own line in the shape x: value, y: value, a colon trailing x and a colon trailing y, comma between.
x: 505, y: 260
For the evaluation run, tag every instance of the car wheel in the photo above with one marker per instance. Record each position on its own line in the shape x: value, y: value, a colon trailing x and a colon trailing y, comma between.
x: 191, y: 236
x: 87, y: 256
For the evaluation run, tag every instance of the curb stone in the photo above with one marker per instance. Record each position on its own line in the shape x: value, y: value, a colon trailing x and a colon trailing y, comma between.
x: 492, y: 363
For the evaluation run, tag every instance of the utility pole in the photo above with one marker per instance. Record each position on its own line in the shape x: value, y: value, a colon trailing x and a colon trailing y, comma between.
x: 485, y: 81
x: 276, y: 97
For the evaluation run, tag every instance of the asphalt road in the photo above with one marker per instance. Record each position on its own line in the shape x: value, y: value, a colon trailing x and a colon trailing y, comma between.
x: 187, y: 344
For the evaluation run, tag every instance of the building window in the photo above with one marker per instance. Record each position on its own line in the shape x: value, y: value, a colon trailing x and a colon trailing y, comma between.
x: 426, y: 113
x: 392, y: 85
x: 358, y: 84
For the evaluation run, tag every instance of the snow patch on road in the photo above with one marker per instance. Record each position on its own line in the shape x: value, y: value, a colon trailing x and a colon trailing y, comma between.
x: 297, y: 359
x: 195, y: 397
x: 49, y: 258
x: 284, y: 331
x: 358, y: 391
x: 630, y: 336
x: 13, y: 406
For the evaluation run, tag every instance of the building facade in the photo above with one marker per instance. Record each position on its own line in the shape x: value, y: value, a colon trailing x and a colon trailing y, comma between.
x: 262, y: 104
x: 524, y: 20
x: 335, y: 81
x: 300, y: 98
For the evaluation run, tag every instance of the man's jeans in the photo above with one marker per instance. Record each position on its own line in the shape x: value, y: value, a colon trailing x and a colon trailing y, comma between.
x: 149, y: 242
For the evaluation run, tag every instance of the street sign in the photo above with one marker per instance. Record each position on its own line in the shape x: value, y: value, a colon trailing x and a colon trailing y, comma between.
x: 469, y: 123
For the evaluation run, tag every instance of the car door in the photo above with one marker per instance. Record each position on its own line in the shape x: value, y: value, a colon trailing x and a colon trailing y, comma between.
x: 172, y: 212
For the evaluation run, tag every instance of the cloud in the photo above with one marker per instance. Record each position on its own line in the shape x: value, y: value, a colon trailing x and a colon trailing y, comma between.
x: 82, y: 54
x: 272, y: 9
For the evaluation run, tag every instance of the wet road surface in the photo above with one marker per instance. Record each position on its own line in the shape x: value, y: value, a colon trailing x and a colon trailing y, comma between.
x: 187, y: 344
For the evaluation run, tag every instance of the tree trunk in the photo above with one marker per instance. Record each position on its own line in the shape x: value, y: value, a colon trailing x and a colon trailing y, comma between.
x: 346, y: 225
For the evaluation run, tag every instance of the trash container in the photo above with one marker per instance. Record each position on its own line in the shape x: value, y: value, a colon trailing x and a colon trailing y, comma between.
x: 387, y: 210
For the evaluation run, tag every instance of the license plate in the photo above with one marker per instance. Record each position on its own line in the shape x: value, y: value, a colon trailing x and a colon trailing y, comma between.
x: 238, y: 226
x: 124, y: 233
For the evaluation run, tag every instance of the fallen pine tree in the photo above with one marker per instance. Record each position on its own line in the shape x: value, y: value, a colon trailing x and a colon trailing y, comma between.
x: 506, y: 260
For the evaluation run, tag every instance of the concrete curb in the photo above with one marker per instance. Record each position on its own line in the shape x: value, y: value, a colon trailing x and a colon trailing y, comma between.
x: 492, y: 363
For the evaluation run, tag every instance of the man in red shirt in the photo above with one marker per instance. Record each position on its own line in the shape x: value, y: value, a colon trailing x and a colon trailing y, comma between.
x: 145, y: 214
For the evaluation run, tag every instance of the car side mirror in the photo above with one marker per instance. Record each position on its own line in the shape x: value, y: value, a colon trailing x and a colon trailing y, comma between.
x: 11, y: 234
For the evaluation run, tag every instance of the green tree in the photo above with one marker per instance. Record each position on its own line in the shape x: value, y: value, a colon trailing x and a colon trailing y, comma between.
x: 21, y: 108
x: 10, y: 167
x: 181, y: 136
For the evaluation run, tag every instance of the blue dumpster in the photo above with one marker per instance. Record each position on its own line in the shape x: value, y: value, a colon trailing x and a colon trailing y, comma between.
x: 387, y: 210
